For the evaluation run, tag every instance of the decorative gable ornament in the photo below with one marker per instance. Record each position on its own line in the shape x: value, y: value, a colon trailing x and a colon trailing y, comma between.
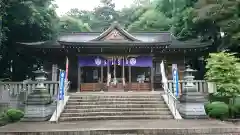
x: 114, y: 35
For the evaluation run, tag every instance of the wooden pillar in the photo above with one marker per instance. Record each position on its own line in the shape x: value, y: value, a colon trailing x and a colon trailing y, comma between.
x: 130, y: 78
x: 108, y: 71
x: 79, y: 77
x: 152, y: 79
x: 114, y: 70
x: 53, y: 69
x: 123, y: 71
x: 102, y: 83
x: 101, y: 73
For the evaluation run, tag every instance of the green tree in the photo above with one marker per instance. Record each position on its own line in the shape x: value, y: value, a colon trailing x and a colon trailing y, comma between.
x: 222, y: 68
x: 100, y: 18
x: 70, y: 24
x: 147, y: 17
x: 131, y: 14
x: 25, y: 21
x: 83, y: 15
x: 104, y: 15
x: 219, y: 16
x: 207, y: 18
x: 151, y: 21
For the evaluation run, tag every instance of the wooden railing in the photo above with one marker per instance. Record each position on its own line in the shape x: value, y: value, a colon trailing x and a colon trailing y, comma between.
x: 139, y: 86
x: 16, y: 87
x: 200, y: 84
x: 86, y: 87
x: 90, y: 87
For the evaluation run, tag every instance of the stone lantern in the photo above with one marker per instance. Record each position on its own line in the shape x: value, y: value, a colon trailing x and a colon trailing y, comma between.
x: 191, y: 101
x: 189, y: 79
x: 38, y: 106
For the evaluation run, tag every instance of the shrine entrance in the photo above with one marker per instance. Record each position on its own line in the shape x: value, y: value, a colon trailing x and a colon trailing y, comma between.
x: 114, y: 73
x: 117, y: 77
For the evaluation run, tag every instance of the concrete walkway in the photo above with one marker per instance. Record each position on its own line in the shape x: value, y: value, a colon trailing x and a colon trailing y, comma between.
x: 119, y: 125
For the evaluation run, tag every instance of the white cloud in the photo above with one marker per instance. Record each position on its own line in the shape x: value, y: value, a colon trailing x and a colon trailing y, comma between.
x: 66, y: 5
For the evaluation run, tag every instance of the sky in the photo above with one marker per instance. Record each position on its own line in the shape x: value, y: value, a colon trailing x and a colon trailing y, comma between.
x: 65, y: 5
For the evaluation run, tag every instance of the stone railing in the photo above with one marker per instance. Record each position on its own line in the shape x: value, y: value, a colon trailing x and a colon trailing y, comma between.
x: 200, y: 84
x: 14, y: 94
x: 16, y: 87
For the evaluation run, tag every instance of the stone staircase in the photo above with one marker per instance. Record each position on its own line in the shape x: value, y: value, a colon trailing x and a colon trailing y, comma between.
x: 115, y: 106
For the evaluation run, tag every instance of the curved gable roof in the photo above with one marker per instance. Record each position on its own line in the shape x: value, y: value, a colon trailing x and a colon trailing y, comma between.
x: 116, y: 35
x: 115, y: 32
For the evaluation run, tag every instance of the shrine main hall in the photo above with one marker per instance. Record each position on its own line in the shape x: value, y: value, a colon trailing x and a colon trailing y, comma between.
x: 117, y: 60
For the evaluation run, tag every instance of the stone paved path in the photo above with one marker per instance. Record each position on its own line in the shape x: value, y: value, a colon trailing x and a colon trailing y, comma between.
x: 117, y: 125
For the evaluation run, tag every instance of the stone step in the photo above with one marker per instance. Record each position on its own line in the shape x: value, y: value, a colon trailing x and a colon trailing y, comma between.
x: 116, y: 117
x: 127, y: 113
x: 117, y: 106
x: 115, y: 99
x: 113, y: 109
x: 116, y: 96
x: 114, y: 102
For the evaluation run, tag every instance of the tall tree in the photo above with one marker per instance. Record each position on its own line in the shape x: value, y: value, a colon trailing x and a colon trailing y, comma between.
x: 71, y: 24
x: 26, y: 21
x: 131, y: 14
x: 147, y: 17
x: 217, y: 16
x: 104, y: 15
x: 83, y: 15
x: 151, y: 20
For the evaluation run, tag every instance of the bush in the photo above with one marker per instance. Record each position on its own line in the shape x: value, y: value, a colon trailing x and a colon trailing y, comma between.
x: 213, y: 97
x: 206, y: 106
x: 3, y: 119
x: 13, y: 115
x: 235, y: 106
x: 218, y: 110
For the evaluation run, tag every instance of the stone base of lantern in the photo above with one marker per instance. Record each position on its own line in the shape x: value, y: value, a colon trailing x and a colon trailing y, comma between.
x: 38, y: 112
x: 192, y: 110
x: 39, y: 105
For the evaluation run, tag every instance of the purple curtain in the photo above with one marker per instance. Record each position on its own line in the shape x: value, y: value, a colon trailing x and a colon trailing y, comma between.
x: 140, y: 61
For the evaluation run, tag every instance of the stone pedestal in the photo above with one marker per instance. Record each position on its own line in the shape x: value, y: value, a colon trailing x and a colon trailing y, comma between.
x: 39, y: 104
x: 191, y: 101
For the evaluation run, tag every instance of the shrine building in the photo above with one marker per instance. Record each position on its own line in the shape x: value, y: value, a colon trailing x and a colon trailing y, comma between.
x: 117, y: 60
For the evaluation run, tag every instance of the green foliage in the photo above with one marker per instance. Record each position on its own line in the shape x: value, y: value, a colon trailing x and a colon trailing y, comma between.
x: 222, y: 69
x: 183, y: 25
x: 206, y: 107
x: 35, y: 16
x: 24, y: 21
x: 14, y: 115
x: 233, y: 103
x: 170, y: 7
x: 218, y: 110
x: 36, y: 21
x: 11, y: 115
x: 151, y: 21
x: 213, y: 97
x: 219, y: 15
x: 99, y: 19
x: 128, y: 16
x: 70, y: 24
x: 235, y: 106
x: 3, y: 119
x: 141, y: 16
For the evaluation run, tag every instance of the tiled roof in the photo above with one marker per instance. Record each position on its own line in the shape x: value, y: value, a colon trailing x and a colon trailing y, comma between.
x: 101, y: 38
